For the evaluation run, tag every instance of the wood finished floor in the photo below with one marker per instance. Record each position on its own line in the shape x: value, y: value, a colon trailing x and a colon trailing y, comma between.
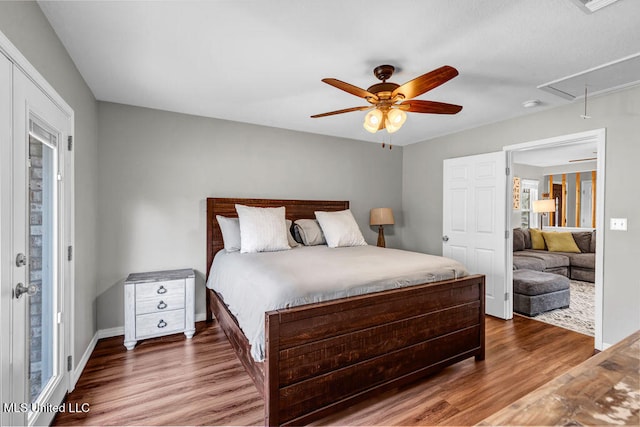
x: 174, y: 381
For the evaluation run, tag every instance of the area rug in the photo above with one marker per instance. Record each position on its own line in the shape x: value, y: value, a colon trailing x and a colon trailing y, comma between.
x: 580, y: 315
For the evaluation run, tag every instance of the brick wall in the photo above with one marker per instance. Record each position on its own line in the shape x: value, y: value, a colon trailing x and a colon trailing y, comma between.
x: 35, y: 265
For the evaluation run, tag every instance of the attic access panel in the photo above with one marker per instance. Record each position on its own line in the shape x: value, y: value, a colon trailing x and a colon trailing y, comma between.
x: 612, y: 76
x: 590, y: 6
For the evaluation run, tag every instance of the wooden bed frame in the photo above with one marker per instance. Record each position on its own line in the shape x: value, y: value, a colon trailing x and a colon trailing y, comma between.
x: 323, y: 357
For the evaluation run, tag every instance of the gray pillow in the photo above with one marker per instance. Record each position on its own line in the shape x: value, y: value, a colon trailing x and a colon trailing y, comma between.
x: 518, y: 240
x: 292, y: 241
x: 592, y: 245
x: 582, y: 239
x: 310, y: 232
x: 527, y: 238
x: 296, y: 234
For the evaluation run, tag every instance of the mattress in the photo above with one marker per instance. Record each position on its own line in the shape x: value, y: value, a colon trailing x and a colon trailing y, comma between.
x: 252, y: 284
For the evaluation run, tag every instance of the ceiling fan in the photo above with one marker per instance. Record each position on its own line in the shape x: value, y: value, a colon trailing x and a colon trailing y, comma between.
x: 390, y: 101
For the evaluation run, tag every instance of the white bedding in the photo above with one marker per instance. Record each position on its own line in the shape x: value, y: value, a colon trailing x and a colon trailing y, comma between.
x: 252, y: 284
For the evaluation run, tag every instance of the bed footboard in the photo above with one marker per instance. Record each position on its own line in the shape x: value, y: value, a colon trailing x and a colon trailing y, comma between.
x: 324, y: 357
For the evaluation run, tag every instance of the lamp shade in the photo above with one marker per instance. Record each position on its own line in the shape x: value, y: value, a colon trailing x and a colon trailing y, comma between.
x: 545, y: 205
x: 395, y: 119
x: 381, y: 216
x: 372, y: 120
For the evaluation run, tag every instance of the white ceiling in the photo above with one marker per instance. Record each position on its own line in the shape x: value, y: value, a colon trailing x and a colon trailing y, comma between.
x: 262, y: 61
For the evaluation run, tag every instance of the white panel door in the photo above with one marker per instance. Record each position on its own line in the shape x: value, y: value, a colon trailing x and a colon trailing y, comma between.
x: 474, y: 215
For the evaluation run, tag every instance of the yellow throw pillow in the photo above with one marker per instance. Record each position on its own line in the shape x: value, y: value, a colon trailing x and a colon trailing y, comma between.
x: 537, y: 241
x: 560, y: 242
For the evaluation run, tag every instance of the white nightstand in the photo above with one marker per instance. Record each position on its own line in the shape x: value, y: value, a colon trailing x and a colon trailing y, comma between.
x: 158, y: 303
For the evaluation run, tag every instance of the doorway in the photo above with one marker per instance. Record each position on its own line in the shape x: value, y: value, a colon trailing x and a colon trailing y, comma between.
x: 36, y: 225
x: 558, y: 195
x: 595, y: 139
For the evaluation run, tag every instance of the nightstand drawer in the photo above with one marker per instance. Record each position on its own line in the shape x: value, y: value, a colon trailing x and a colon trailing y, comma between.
x: 160, y: 303
x: 159, y: 289
x: 159, y: 323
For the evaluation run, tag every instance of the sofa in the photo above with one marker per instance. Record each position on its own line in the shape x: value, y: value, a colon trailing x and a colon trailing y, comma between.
x: 574, y: 265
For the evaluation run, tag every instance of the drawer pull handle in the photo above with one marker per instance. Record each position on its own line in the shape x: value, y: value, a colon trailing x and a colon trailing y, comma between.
x: 162, y: 290
x: 162, y: 305
x: 162, y: 324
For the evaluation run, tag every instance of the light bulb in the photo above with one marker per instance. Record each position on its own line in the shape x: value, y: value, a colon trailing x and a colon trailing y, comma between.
x: 395, y: 120
x: 372, y: 120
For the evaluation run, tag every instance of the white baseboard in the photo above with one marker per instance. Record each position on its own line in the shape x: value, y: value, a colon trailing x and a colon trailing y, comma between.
x: 605, y: 346
x: 75, y: 376
x: 110, y: 332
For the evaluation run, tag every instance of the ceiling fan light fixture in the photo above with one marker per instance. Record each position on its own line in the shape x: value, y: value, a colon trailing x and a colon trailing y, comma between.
x: 372, y: 120
x: 390, y: 101
x: 395, y: 119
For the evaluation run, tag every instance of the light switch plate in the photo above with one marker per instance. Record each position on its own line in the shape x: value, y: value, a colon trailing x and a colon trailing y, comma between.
x: 619, y: 224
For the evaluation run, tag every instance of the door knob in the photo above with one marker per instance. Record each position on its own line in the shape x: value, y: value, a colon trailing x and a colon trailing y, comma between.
x: 445, y: 238
x: 22, y: 289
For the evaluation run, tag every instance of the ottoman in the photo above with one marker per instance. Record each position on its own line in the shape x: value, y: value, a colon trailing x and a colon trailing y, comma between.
x: 535, y: 292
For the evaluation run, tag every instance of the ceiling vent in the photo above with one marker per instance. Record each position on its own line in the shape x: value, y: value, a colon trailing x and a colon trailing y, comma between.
x: 590, y: 6
x: 605, y: 78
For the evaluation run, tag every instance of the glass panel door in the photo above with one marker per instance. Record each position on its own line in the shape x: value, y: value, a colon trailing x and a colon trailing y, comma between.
x: 39, y: 272
x: 42, y: 258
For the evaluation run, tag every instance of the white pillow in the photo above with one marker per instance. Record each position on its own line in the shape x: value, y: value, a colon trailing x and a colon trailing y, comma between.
x: 262, y: 229
x: 310, y: 232
x: 230, y: 228
x: 340, y: 229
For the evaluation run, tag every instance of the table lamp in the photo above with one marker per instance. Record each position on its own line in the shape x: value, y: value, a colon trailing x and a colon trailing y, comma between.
x: 381, y: 217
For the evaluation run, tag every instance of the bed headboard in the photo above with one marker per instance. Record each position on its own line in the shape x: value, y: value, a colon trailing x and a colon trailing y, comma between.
x: 295, y: 209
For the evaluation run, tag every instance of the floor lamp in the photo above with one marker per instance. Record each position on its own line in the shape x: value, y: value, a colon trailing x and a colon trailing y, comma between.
x: 544, y: 206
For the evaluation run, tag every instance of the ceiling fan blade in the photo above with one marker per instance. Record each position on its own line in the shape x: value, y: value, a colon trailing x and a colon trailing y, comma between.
x: 426, y: 82
x: 354, y: 90
x: 346, y: 110
x: 433, y: 107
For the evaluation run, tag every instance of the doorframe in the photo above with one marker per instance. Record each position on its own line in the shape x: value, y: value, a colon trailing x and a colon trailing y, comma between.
x: 598, y: 136
x: 68, y: 222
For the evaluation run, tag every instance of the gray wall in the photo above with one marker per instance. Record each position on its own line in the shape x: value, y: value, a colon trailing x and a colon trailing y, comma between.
x: 619, y: 113
x: 156, y: 169
x: 25, y: 25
